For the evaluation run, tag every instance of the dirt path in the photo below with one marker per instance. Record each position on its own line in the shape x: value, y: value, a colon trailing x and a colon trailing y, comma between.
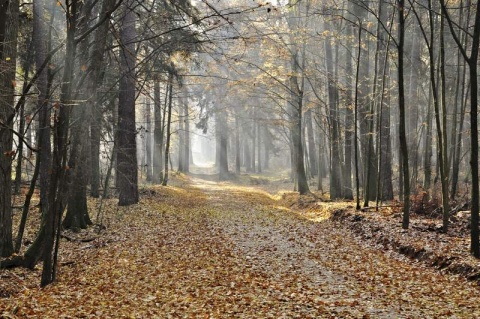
x: 210, y: 250
x: 322, y: 271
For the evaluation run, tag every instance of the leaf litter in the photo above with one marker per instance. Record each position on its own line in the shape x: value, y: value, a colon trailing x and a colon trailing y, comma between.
x: 205, y: 249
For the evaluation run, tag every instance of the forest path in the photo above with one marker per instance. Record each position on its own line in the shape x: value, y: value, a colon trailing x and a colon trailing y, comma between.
x: 317, y: 270
x: 205, y: 249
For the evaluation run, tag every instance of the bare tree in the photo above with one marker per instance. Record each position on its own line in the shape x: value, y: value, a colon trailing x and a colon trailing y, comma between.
x: 8, y: 57
x: 126, y: 134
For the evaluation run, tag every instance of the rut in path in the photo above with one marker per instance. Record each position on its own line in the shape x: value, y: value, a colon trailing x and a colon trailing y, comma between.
x: 205, y: 249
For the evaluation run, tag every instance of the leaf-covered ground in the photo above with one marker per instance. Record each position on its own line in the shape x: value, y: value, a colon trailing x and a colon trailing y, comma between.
x: 203, y: 249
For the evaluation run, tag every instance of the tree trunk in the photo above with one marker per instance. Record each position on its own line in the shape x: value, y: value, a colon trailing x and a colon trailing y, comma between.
x: 168, y: 133
x: 148, y: 140
x: 335, y: 162
x: 427, y: 160
x: 458, y: 141
x: 221, y: 131
x: 385, y: 175
x: 77, y: 216
x: 237, y: 145
x: 267, y: 144
x: 443, y: 143
x: 8, y: 54
x: 259, y: 147
x: 347, y: 190
x: 246, y: 153
x: 26, y: 207
x: 157, y: 133
x: 181, y: 137
x: 384, y: 147
x: 127, y: 149
x: 40, y: 29
x: 254, y: 140
x: 58, y: 186
x: 18, y: 170
x: 412, y: 103
x: 312, y: 153
x: 186, y: 151
x: 297, y: 138
x: 474, y: 231
x: 355, y: 121
x: 358, y: 8
x: 94, y: 80
x: 401, y: 106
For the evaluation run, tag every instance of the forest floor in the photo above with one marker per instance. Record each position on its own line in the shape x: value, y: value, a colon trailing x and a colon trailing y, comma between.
x: 206, y: 249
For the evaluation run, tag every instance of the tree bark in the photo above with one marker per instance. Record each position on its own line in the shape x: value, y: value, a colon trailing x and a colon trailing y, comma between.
x: 221, y: 131
x: 401, y: 106
x: 259, y: 147
x: 384, y: 145
x: 168, y: 133
x: 349, y: 134
x: 58, y: 186
x: 335, y: 162
x: 127, y: 148
x: 443, y: 142
x: 18, y: 170
x: 186, y: 150
x: 94, y: 80
x: 181, y: 136
x: 312, y: 153
x: 77, y: 216
x: 148, y: 140
x: 237, y: 146
x: 157, y: 133
x: 8, y: 55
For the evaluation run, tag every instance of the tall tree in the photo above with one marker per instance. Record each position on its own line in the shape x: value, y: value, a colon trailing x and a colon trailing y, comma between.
x: 334, y: 128
x: 77, y: 210
x: 401, y: 107
x: 158, y: 131
x: 8, y: 56
x: 58, y: 186
x: 384, y: 145
x: 168, y: 133
x: 126, y: 135
x: 93, y: 81
x: 148, y: 139
x: 297, y: 86
x: 312, y: 153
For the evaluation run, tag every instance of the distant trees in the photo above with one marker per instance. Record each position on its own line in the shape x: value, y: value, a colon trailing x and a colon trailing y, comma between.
x: 402, y: 62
